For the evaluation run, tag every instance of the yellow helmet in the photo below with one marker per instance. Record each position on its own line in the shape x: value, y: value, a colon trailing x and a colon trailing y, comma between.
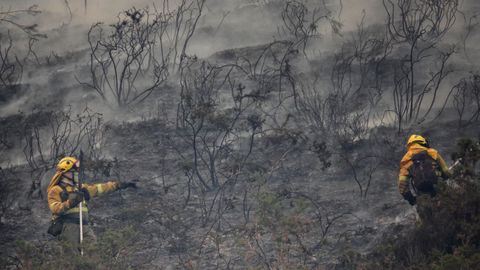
x: 416, y: 139
x: 66, y: 164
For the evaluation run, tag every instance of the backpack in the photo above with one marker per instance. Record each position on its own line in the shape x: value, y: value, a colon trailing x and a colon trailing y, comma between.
x: 56, y: 224
x: 423, y: 172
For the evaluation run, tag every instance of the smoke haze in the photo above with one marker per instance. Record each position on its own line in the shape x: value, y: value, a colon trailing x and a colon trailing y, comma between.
x: 224, y: 25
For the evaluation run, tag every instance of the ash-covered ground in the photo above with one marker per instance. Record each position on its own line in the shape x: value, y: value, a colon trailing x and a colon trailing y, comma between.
x: 263, y: 134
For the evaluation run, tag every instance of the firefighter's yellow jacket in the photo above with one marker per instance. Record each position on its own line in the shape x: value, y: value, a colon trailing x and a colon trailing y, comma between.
x: 58, y: 197
x: 406, y: 163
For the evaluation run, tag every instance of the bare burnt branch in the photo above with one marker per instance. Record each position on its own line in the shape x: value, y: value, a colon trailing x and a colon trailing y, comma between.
x: 466, y: 100
x: 123, y: 71
x: 301, y: 24
x: 11, y: 68
x: 9, y: 17
x: 7, y: 190
x: 60, y: 134
x: 421, y: 25
x: 211, y: 131
x: 345, y: 107
x: 12, y: 61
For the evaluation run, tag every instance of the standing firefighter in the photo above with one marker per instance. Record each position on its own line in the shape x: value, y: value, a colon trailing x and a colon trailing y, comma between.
x: 65, y: 197
x: 423, y: 166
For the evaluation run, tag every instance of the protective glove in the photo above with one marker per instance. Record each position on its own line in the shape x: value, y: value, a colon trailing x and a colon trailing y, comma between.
x: 124, y: 185
x: 75, y: 198
x: 86, y: 194
x: 410, y: 198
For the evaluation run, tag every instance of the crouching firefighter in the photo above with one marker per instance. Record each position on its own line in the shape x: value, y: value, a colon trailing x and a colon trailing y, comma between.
x: 65, y: 199
x: 421, y: 166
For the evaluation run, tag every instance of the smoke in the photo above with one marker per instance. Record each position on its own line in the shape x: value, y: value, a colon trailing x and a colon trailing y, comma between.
x: 56, y: 12
x: 224, y: 25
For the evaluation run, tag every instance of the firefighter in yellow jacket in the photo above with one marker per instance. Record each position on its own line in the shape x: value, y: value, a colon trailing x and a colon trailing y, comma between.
x: 64, y: 198
x: 421, y: 166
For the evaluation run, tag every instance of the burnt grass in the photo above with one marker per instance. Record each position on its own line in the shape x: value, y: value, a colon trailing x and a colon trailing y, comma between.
x: 284, y: 204
x: 286, y: 209
x: 172, y: 232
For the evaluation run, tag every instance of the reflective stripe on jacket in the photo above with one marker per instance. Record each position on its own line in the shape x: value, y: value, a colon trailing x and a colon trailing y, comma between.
x: 406, y: 163
x: 60, y: 207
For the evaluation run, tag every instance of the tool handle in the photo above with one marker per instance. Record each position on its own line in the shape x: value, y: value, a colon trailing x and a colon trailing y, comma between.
x: 455, y: 164
x: 80, y: 206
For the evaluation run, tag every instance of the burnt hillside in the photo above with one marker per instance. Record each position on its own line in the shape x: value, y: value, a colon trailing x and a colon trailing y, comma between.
x: 261, y: 134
